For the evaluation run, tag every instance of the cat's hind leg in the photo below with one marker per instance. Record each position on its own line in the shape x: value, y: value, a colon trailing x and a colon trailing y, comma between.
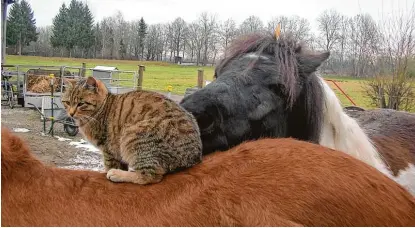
x: 111, y: 162
x: 142, y: 147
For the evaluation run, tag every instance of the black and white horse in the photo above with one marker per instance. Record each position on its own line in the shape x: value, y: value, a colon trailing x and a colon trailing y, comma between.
x: 269, y: 87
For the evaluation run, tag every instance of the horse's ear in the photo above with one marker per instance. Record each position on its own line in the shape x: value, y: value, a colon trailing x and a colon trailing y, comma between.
x: 309, y: 62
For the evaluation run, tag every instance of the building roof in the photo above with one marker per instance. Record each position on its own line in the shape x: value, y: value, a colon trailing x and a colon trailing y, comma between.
x: 105, y: 68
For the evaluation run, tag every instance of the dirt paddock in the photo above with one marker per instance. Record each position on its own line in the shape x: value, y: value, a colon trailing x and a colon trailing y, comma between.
x: 61, y: 150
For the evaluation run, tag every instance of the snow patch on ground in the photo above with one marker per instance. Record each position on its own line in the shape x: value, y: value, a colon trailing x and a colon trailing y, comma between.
x: 62, y: 138
x: 85, y: 145
x: 84, y: 160
x: 21, y: 130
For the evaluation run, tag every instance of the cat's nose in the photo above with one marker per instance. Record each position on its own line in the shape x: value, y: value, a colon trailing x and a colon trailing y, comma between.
x: 72, y: 112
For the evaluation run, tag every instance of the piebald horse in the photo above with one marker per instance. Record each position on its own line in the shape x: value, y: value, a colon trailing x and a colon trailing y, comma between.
x: 269, y: 182
x: 394, y: 133
x: 269, y: 87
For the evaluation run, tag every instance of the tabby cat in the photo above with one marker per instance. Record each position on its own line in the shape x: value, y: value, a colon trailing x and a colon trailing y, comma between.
x: 144, y: 129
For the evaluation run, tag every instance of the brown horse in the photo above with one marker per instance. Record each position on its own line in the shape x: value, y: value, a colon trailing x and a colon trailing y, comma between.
x: 269, y: 182
x: 393, y: 133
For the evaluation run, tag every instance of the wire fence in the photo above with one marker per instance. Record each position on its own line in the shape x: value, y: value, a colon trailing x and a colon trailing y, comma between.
x: 356, y: 97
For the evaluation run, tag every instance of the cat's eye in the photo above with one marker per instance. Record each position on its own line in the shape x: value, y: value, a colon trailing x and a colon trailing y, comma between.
x: 84, y: 103
x: 66, y: 103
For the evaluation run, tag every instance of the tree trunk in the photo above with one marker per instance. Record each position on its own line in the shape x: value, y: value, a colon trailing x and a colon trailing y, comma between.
x: 142, y: 52
x: 382, y: 100
x: 214, y: 57
x: 20, y: 44
x: 198, y: 57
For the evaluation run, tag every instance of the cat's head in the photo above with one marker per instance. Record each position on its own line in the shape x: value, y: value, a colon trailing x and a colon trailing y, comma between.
x: 83, y: 97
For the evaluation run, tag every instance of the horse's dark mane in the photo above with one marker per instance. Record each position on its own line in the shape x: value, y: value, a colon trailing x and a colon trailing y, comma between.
x: 282, y: 49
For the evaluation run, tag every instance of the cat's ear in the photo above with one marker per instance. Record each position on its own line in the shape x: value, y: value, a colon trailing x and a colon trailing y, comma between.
x: 69, y: 83
x: 91, y: 83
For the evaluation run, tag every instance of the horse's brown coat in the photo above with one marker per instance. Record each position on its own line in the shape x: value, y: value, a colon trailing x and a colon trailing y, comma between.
x: 269, y: 182
x: 392, y: 132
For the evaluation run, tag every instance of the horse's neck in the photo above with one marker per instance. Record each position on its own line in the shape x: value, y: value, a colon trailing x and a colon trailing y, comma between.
x: 343, y: 133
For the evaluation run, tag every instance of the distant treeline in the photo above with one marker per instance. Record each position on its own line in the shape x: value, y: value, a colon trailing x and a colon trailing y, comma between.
x: 359, y: 45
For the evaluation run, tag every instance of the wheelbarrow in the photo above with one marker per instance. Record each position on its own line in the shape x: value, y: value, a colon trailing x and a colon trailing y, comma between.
x: 69, y: 125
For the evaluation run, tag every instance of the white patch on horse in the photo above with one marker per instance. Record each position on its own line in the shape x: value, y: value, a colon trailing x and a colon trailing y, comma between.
x: 406, y: 178
x: 343, y: 133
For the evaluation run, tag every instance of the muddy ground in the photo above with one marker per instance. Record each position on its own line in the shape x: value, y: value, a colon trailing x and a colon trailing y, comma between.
x: 60, y: 150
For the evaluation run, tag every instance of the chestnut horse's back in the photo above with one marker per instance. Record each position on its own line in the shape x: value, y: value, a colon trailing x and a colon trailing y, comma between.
x: 269, y: 182
x: 315, y: 186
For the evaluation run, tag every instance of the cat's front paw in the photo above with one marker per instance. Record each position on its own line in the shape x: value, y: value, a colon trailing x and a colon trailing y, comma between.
x: 115, y: 175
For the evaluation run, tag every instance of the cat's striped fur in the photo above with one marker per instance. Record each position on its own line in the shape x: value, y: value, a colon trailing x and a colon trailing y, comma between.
x: 148, y: 131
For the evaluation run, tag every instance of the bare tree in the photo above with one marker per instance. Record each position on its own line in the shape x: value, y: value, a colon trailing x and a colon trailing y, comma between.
x: 108, y: 48
x: 42, y: 46
x: 196, y: 39
x: 214, y: 45
x: 227, y: 32
x: 329, y: 24
x: 342, y: 42
x: 250, y: 25
x: 393, y: 87
x: 178, y: 35
x: 154, y: 42
x: 364, y: 40
x: 135, y: 41
x: 297, y: 26
x: 118, y: 26
x: 331, y: 37
x: 208, y: 25
x: 190, y: 42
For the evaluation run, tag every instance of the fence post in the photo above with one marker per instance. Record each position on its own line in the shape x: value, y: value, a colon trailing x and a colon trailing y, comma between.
x: 83, y: 70
x: 200, y: 78
x: 141, y: 69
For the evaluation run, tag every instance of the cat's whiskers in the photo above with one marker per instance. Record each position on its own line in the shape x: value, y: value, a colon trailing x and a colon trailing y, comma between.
x: 91, y: 118
x: 88, y: 118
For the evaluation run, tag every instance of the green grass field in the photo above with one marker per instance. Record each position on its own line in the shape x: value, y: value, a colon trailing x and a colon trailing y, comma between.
x: 159, y: 75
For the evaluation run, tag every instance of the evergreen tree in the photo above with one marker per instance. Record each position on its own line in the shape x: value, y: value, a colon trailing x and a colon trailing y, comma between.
x: 142, y: 32
x: 73, y: 27
x: 13, y: 22
x: 87, y: 34
x: 60, y: 28
x: 75, y: 20
x: 21, y: 25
